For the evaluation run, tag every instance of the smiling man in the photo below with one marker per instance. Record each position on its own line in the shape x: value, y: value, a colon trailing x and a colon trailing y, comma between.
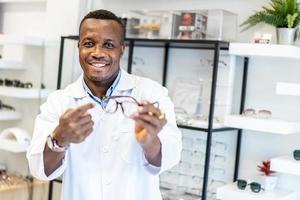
x: 109, y: 134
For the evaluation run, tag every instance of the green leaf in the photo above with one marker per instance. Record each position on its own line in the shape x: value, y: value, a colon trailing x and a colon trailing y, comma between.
x: 279, y: 13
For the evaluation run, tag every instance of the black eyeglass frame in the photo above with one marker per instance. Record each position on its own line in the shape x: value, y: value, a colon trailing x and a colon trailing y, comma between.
x: 2, y: 105
x: 156, y: 103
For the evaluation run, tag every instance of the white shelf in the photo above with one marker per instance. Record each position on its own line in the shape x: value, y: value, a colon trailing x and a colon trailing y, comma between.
x: 264, y: 125
x: 269, y: 50
x: 286, y: 164
x: 231, y: 191
x: 21, y: 40
x: 292, y: 89
x: 22, y: 1
x: 10, y: 64
x: 12, y: 146
x: 24, y: 93
x: 9, y: 115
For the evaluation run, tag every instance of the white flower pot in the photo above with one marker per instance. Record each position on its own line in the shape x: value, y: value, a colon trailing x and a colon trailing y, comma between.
x: 286, y: 36
x: 269, y: 182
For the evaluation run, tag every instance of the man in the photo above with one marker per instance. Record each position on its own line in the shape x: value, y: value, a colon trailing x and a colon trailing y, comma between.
x: 85, y: 133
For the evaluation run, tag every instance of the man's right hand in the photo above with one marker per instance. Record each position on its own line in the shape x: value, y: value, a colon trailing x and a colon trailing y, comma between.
x: 75, y: 125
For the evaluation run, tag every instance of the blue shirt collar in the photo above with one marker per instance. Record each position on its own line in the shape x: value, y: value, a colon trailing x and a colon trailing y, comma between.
x: 108, y: 92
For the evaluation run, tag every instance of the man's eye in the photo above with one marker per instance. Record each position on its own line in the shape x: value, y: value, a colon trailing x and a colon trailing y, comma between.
x: 88, y: 44
x: 109, y: 45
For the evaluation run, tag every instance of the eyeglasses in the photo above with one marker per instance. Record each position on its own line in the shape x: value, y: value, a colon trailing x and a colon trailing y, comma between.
x: 254, y: 186
x: 250, y: 112
x: 2, y: 105
x: 128, y: 104
x: 296, y: 154
x: 15, y: 83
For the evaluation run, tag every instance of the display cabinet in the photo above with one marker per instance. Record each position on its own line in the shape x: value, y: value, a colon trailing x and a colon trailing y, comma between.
x: 270, y: 125
x: 208, y: 133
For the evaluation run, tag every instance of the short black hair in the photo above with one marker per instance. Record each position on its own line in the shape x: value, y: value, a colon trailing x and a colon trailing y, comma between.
x: 105, y: 15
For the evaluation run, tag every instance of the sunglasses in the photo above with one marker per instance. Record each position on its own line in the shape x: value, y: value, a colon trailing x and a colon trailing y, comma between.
x: 254, y: 186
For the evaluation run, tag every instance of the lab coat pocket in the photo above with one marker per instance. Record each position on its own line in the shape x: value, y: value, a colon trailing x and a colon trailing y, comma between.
x: 127, y: 145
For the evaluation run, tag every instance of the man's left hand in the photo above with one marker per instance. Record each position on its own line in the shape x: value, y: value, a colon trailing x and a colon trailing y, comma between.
x: 149, y: 122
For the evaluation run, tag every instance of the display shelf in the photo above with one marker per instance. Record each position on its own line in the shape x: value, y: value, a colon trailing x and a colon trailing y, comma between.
x: 10, y: 64
x: 12, y: 146
x: 230, y: 191
x: 263, y: 125
x: 9, y: 115
x: 292, y: 89
x: 22, y: 1
x: 24, y: 93
x: 286, y: 164
x: 21, y: 40
x: 269, y: 50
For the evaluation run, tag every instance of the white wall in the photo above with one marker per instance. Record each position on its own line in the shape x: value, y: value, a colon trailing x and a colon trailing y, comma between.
x: 50, y: 19
x: 242, y: 7
x: 263, y: 74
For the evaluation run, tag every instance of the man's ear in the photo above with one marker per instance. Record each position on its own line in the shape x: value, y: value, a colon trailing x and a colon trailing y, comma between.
x: 122, y: 49
x: 78, y: 44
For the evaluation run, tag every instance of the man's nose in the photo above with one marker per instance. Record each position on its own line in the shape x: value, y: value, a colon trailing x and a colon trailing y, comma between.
x: 99, y: 52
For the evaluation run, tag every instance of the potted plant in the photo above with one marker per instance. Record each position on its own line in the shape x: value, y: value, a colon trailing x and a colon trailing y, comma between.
x: 283, y: 14
x: 269, y: 179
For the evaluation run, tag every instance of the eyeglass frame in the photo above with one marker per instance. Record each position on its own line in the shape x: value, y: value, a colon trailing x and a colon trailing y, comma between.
x: 121, y: 103
x: 250, y: 112
x: 2, y: 105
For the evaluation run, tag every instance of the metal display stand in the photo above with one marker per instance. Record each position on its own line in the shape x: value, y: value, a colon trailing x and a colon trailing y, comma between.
x: 214, y: 45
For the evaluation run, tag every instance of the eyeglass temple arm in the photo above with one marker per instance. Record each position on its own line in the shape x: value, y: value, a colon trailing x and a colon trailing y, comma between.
x: 126, y: 96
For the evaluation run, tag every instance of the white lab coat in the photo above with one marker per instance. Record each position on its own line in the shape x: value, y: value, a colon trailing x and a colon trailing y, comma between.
x: 109, y: 164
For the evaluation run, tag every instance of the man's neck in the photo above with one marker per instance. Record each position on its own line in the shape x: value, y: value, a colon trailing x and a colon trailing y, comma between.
x: 99, y: 88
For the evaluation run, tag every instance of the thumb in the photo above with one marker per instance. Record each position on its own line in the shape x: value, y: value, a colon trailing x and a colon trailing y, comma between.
x: 140, y: 133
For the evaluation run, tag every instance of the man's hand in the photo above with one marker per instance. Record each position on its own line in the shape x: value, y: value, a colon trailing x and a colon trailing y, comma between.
x: 74, y: 125
x: 148, y: 124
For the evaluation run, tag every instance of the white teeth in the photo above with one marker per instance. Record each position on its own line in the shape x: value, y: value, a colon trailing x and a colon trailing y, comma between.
x: 98, y: 65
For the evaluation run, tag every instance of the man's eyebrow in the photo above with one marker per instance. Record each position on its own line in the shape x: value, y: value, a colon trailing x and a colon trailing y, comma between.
x: 86, y: 38
x: 109, y: 40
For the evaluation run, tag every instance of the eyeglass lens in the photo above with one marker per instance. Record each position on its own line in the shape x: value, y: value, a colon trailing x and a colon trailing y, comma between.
x: 241, y: 184
x: 296, y: 154
x: 128, y: 105
x: 255, y: 187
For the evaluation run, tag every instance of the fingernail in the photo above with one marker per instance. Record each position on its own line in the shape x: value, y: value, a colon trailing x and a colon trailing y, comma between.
x: 140, y: 109
x: 133, y: 115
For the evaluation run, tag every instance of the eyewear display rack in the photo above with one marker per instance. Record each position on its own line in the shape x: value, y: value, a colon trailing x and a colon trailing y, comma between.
x: 283, y: 164
x: 167, y: 44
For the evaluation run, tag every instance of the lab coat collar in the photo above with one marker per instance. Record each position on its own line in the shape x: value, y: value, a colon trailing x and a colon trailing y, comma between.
x: 76, y: 89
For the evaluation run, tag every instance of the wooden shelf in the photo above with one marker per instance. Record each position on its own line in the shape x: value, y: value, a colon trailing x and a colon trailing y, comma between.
x: 292, y: 89
x: 9, y: 115
x: 264, y: 125
x: 24, y: 93
x: 19, y: 190
x: 229, y: 192
x: 268, y: 50
x: 286, y: 164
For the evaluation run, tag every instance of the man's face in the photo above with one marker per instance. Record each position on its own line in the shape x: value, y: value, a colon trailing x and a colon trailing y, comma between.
x: 187, y: 19
x: 100, y: 49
